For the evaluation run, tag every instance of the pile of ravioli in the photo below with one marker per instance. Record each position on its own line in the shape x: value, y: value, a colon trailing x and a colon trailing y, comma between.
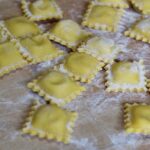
x: 23, y: 42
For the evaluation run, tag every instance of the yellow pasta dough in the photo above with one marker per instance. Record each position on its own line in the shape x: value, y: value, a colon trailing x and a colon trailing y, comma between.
x: 102, y: 17
x: 38, y: 48
x: 137, y: 118
x: 126, y: 76
x: 68, y: 33
x: 142, y: 5
x: 81, y: 66
x: 120, y: 68
x: 41, y: 10
x: 114, y: 3
x: 56, y: 86
x: 10, y: 58
x: 21, y: 27
x: 102, y: 48
x: 140, y: 30
x: 50, y: 122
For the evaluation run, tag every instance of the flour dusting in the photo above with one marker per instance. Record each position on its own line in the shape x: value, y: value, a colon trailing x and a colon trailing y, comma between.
x: 83, y: 144
x: 100, y: 122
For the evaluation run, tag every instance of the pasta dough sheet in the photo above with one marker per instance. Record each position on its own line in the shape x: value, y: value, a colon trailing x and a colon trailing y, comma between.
x: 100, y: 122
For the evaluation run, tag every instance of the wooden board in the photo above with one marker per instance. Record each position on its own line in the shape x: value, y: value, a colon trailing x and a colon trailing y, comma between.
x: 100, y: 123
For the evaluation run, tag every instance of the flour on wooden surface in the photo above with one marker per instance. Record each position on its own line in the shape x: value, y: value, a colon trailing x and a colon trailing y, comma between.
x: 100, y: 113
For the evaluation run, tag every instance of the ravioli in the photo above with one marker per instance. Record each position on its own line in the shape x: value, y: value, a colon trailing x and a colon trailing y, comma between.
x: 41, y: 10
x: 126, y: 76
x: 102, y: 17
x: 68, y: 33
x: 142, y: 5
x: 21, y: 27
x: 10, y: 58
x: 38, y: 48
x: 50, y: 122
x: 114, y: 3
x: 140, y: 30
x: 137, y: 118
x: 50, y: 85
x: 81, y: 66
x: 102, y: 48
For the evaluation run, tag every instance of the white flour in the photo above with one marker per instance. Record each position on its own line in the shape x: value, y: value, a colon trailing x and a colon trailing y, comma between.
x: 84, y: 143
x: 99, y: 126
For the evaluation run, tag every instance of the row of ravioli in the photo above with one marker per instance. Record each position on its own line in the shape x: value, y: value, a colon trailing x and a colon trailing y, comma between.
x: 48, y: 121
x: 92, y: 54
x: 48, y: 9
x: 98, y: 16
x: 26, y: 37
x: 24, y: 42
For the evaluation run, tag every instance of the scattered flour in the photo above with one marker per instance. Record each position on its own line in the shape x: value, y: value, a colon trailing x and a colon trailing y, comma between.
x: 83, y: 144
x: 95, y: 105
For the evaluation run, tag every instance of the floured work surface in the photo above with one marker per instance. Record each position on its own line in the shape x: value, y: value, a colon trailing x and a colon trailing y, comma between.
x: 100, y: 122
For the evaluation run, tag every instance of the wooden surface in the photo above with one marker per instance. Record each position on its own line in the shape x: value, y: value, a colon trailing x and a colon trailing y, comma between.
x: 100, y: 122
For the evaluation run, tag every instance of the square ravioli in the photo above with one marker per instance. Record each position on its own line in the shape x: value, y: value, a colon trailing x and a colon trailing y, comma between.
x: 38, y: 48
x: 81, y: 66
x: 140, y: 30
x: 20, y: 27
x: 48, y: 121
x: 137, y: 118
x: 102, y: 48
x: 10, y: 58
x: 102, y: 17
x: 126, y: 76
x: 114, y: 3
x: 142, y: 5
x: 68, y: 33
x: 41, y: 10
x: 56, y: 87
